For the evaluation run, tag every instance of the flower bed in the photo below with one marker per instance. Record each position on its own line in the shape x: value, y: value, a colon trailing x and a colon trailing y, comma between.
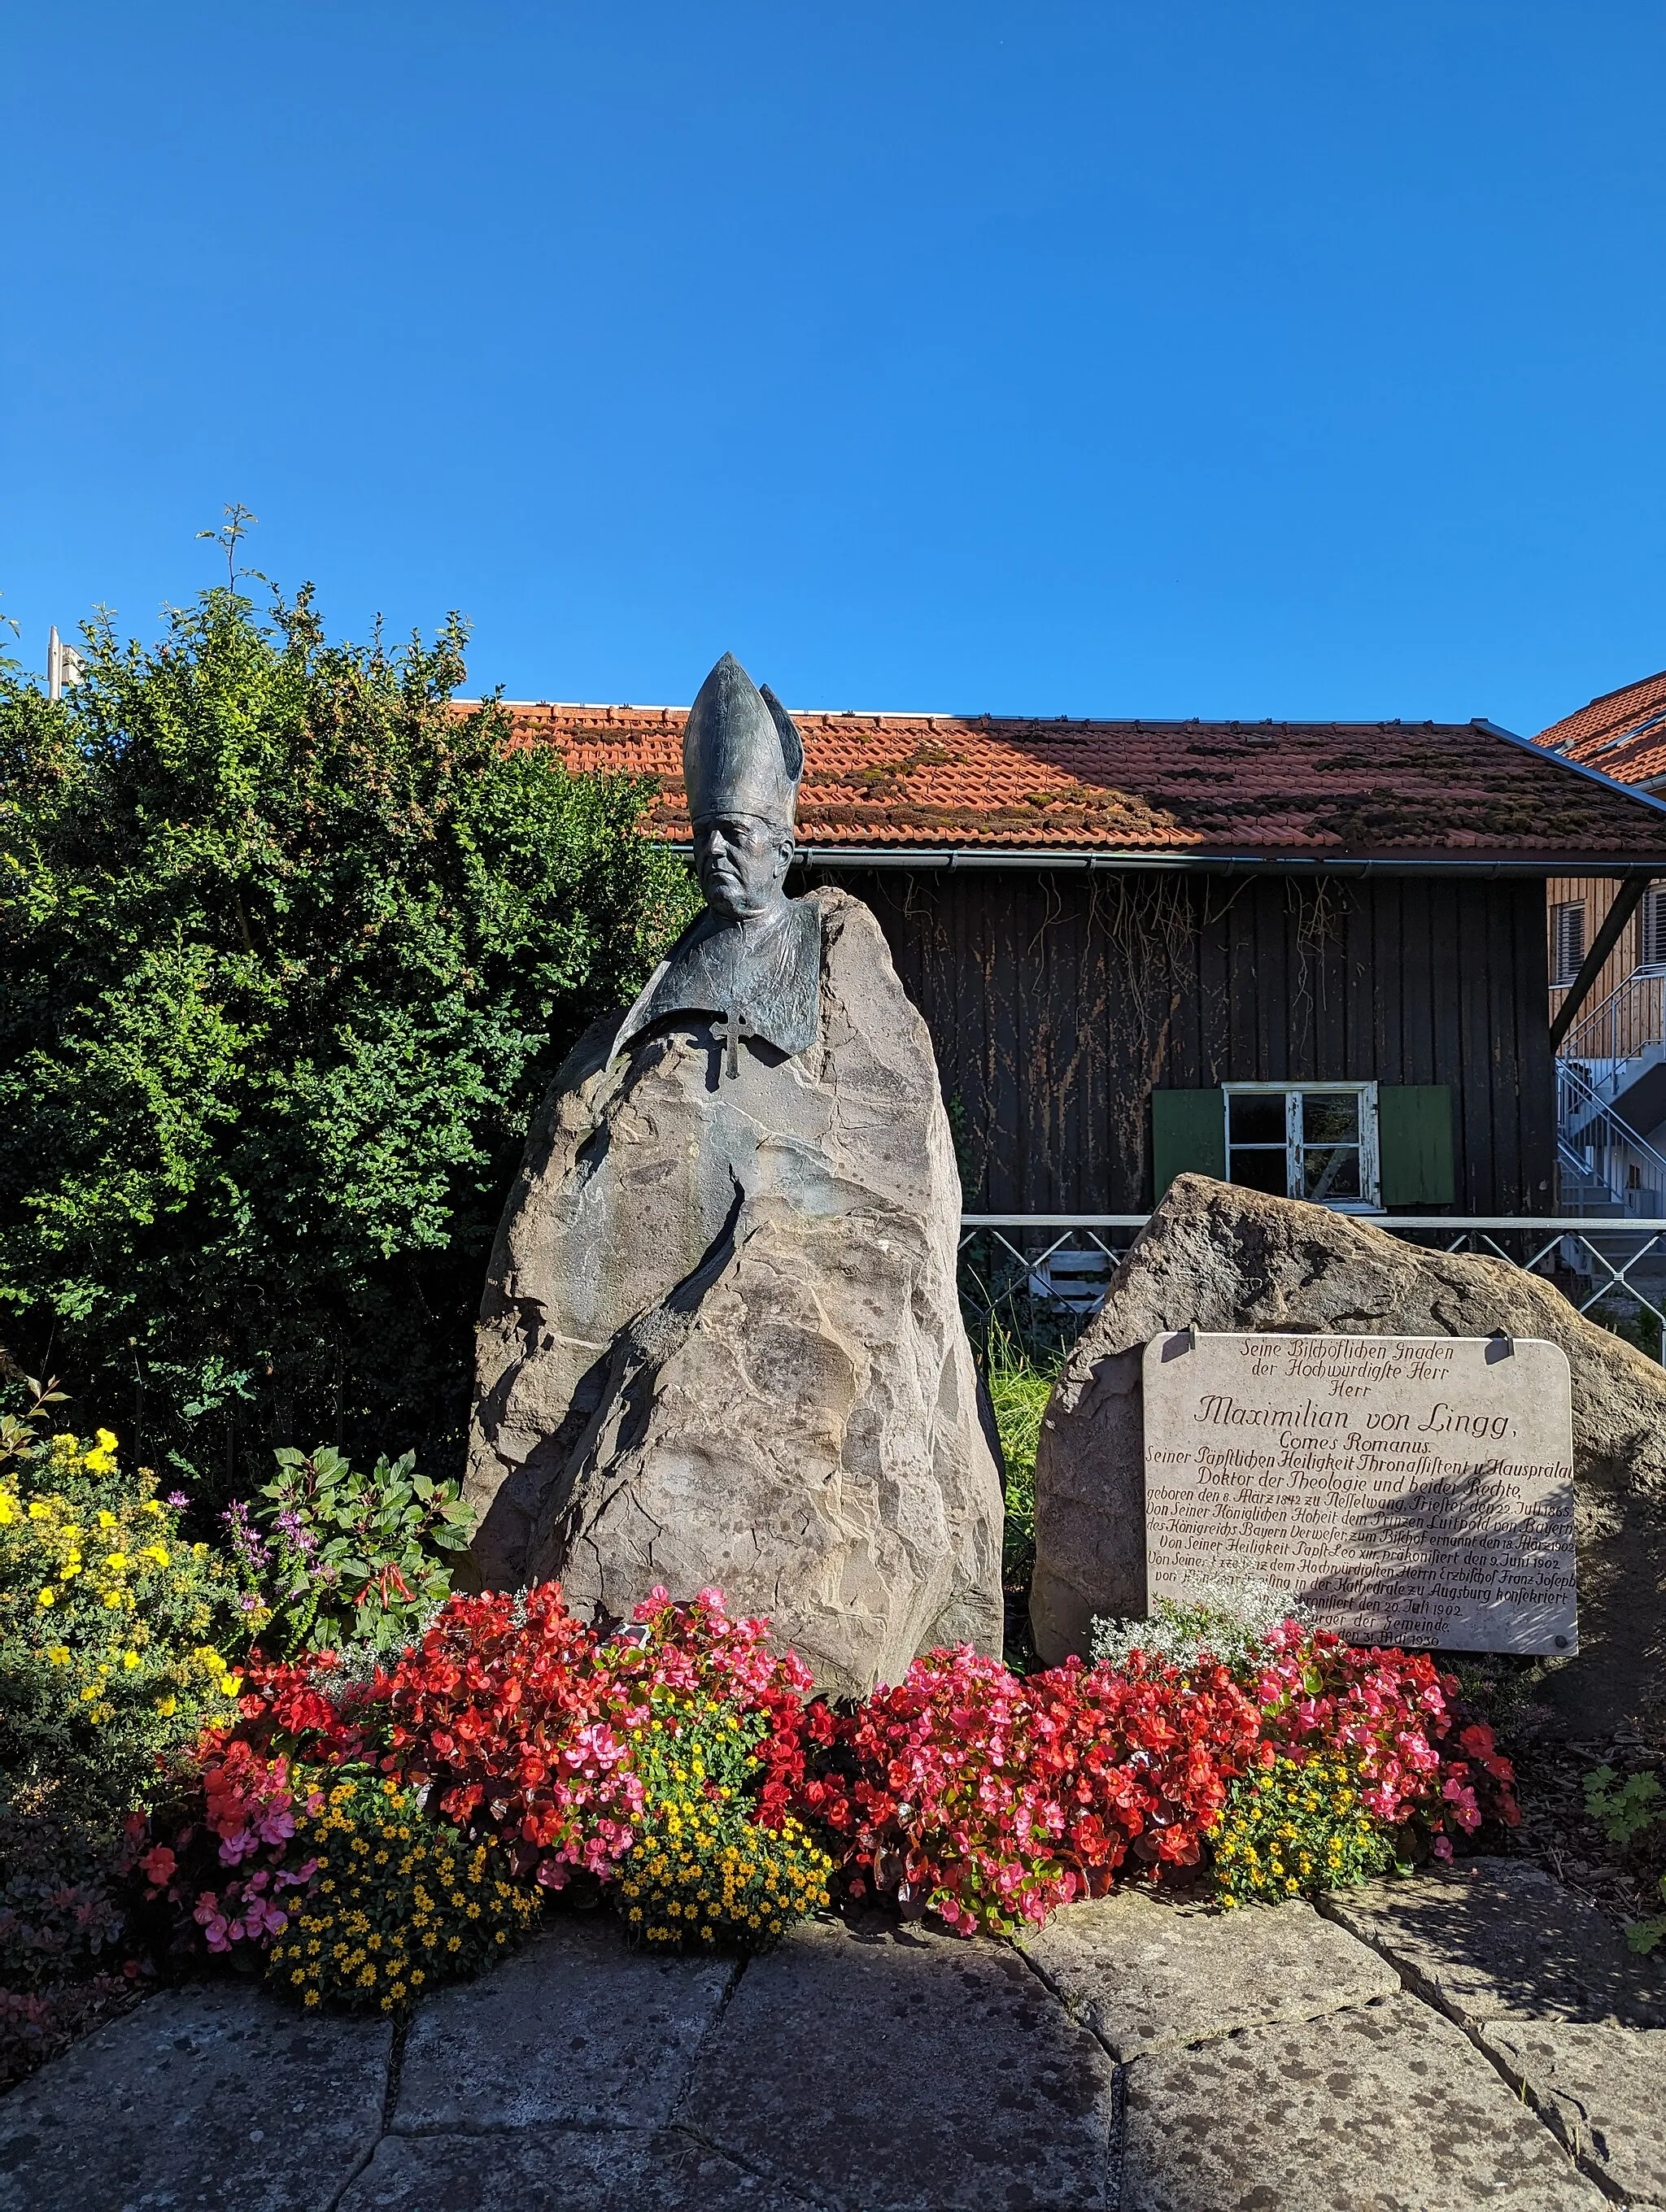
x: 361, y: 1822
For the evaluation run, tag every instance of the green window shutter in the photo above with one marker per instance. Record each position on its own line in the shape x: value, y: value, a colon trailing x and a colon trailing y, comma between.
x: 1414, y: 1143
x: 1189, y: 1134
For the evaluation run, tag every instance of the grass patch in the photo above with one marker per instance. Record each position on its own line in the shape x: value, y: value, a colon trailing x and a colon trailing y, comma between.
x: 1020, y: 1383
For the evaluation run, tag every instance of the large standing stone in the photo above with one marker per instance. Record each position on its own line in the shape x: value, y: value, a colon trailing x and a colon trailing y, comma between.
x: 1223, y: 1257
x: 721, y: 1341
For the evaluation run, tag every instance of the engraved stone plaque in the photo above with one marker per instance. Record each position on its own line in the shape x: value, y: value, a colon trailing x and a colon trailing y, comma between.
x: 1416, y: 1490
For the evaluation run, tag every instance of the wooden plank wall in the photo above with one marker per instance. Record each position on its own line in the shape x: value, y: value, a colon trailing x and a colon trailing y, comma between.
x: 1057, y: 1003
x: 1598, y: 894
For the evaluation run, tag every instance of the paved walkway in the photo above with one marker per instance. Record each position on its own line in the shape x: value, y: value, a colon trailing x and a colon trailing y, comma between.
x: 1479, y: 2037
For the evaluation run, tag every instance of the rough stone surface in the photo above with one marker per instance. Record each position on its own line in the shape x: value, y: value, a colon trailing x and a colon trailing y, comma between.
x: 1146, y: 1978
x: 561, y: 2171
x: 617, y: 2030
x: 1497, y: 1939
x: 1603, y: 2090
x: 208, y: 2097
x: 1223, y: 1257
x: 721, y: 1341
x: 1385, y: 2109
x: 946, y: 2075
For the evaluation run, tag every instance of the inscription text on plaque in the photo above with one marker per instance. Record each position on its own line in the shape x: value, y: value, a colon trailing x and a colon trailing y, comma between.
x: 1408, y: 1490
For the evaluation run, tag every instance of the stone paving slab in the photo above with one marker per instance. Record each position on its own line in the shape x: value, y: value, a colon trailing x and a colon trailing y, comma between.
x: 558, y: 2169
x: 204, y: 2098
x: 1145, y: 1976
x: 1603, y: 2090
x: 1386, y: 2109
x: 615, y: 2030
x: 1499, y: 1939
x: 885, y: 2070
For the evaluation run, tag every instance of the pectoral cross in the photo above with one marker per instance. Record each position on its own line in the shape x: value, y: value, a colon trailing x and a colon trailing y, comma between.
x: 730, y: 1030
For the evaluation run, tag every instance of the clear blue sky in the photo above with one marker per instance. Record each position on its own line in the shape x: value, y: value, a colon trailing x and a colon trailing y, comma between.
x: 1214, y: 359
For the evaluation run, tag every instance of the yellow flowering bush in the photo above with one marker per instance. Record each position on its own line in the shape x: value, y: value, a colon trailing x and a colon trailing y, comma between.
x: 109, y: 1619
x: 397, y: 1904
x: 700, y: 1873
x: 1295, y: 1828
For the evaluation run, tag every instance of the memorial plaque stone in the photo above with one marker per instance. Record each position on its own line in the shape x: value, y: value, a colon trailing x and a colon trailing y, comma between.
x: 1416, y: 1490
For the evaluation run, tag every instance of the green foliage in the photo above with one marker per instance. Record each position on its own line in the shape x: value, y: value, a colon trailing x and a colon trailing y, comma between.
x: 700, y: 1873
x: 60, y: 1918
x: 1646, y: 1936
x: 1623, y: 1809
x: 107, y: 1618
x: 292, y: 949
x: 1019, y: 1386
x: 401, y: 1904
x: 352, y: 1557
x: 1292, y: 1830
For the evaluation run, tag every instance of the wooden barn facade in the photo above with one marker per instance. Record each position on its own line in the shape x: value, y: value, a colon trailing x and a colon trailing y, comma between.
x: 1311, y: 957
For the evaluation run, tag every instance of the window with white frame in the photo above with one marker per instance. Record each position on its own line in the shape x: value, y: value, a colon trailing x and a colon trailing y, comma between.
x: 1568, y: 941
x: 1311, y: 1140
x: 1651, y: 930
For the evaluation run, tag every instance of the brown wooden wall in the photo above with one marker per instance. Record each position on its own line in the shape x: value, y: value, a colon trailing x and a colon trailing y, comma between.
x: 1057, y: 1003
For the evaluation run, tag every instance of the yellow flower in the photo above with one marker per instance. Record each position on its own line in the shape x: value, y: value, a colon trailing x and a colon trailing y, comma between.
x: 167, y: 1706
x: 47, y: 1596
x: 130, y: 1660
x: 311, y: 1997
x: 39, y: 1512
x: 8, y: 1509
x: 107, y: 1520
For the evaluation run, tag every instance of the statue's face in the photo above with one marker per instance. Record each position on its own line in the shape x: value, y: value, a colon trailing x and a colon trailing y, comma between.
x: 742, y: 862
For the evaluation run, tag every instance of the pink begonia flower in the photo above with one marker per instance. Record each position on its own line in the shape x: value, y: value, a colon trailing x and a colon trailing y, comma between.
x: 1443, y: 1847
x: 236, y: 1847
x: 212, y: 1922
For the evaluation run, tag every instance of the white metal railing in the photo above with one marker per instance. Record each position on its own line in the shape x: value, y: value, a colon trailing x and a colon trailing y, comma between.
x: 1621, y: 1027
x: 1008, y: 1257
x: 1603, y: 1142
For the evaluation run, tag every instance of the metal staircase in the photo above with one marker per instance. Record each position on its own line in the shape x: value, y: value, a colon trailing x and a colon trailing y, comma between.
x: 1611, y: 1087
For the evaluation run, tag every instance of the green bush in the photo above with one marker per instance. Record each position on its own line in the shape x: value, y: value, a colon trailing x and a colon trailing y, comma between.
x: 345, y: 1557
x: 400, y: 1905
x: 1296, y: 1828
x: 292, y: 948
x: 109, y: 1661
x: 700, y: 1872
x: 1019, y: 1386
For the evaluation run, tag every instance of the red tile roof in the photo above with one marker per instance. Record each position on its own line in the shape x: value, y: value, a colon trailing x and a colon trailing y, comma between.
x: 1623, y: 732
x: 1440, y: 791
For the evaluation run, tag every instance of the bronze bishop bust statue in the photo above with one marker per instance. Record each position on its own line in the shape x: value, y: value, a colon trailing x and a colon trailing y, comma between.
x: 753, y: 959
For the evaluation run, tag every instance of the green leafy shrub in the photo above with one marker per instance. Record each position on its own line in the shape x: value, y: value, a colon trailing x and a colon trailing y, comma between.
x: 1647, y: 1936
x: 1295, y: 1828
x: 1019, y: 1386
x: 61, y: 1917
x: 345, y: 1557
x: 1624, y: 1809
x: 700, y: 1872
x: 292, y: 949
x: 109, y: 1663
x: 401, y: 1904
